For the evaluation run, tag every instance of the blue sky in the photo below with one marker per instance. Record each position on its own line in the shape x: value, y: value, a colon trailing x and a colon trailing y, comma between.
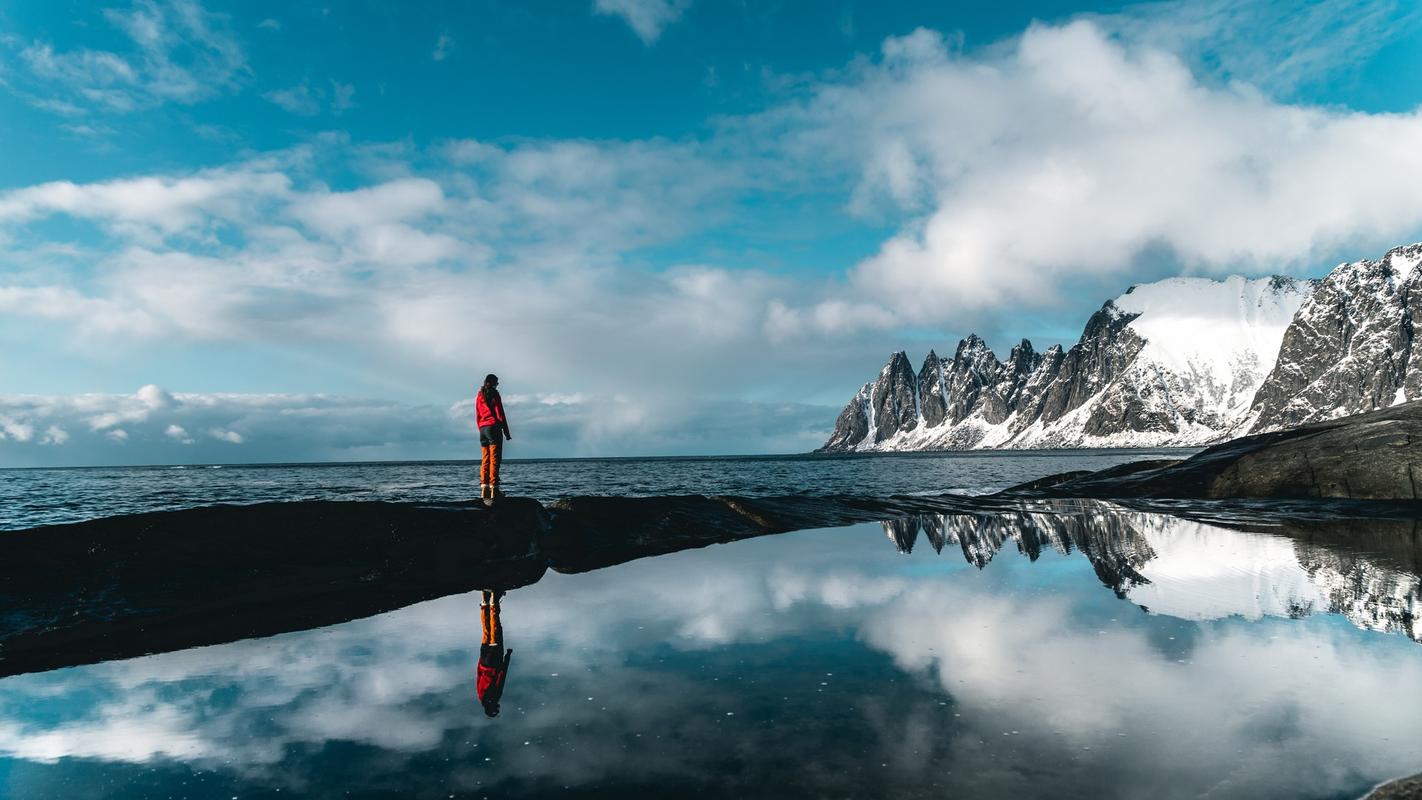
x: 672, y: 226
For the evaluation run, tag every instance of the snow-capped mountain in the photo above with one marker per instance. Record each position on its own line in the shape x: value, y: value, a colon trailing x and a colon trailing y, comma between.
x: 1175, y: 362
x: 1351, y: 348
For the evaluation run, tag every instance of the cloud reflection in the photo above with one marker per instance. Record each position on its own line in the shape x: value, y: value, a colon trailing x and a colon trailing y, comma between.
x: 825, y: 651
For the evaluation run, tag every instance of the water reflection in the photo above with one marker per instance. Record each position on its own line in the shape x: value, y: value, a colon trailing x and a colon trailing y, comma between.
x: 1195, y: 570
x: 494, y: 657
x: 820, y: 663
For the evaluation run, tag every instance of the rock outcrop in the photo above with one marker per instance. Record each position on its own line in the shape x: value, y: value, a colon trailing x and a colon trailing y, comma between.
x: 1372, y: 456
x: 128, y: 585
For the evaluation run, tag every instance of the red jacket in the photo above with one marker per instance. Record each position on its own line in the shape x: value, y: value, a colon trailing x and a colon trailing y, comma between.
x: 491, y: 677
x: 491, y: 413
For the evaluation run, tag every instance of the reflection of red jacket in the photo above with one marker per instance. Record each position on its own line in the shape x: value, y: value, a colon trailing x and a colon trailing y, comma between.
x: 492, y: 675
x: 490, y: 413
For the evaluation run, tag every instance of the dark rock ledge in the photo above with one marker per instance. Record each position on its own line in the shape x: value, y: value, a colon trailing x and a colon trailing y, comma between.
x: 1372, y: 456
x: 143, y: 583
x: 137, y: 584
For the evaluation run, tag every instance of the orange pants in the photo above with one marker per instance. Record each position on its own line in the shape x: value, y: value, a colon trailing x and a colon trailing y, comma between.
x: 489, y: 465
x: 489, y: 616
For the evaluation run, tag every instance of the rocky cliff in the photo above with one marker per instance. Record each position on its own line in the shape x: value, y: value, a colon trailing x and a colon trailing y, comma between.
x: 1176, y: 362
x: 1350, y: 348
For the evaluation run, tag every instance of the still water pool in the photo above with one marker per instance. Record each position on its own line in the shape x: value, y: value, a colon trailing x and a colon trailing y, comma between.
x: 1072, y: 650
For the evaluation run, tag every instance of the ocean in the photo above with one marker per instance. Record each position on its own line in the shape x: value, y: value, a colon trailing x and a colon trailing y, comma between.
x: 34, y: 497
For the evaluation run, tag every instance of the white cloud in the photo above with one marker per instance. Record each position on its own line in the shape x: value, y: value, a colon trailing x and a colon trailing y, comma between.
x: 17, y: 431
x: 342, y: 97
x: 535, y: 236
x: 335, y: 213
x: 179, y: 52
x: 1071, y: 154
x: 91, y: 316
x: 1254, y: 43
x: 308, y: 101
x: 161, y: 203
x: 647, y: 18
x: 160, y: 427
x: 89, y: 131
x: 443, y: 45
x: 231, y: 437
x: 300, y: 99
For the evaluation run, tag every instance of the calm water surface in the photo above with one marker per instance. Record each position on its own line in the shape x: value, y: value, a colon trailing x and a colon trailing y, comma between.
x: 1069, y: 651
x: 30, y: 497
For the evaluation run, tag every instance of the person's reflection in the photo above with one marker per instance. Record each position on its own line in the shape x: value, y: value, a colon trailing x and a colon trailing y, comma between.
x: 494, y: 658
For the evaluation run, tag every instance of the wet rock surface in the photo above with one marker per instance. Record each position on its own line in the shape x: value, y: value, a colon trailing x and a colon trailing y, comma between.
x: 130, y: 585
x: 1400, y: 789
x: 1373, y: 456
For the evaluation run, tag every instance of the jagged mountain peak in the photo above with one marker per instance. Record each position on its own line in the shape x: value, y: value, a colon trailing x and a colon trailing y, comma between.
x: 897, y: 361
x: 1403, y: 260
x: 974, y: 350
x: 1405, y: 251
x: 1023, y: 356
x: 1181, y: 361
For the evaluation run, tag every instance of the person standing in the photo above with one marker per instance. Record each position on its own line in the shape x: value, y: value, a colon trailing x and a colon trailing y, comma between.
x: 493, y: 430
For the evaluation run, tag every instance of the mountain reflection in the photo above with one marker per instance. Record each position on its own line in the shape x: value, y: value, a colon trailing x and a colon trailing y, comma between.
x: 1367, y: 572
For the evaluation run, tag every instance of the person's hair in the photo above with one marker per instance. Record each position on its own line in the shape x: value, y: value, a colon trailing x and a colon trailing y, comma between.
x: 488, y: 390
x: 491, y: 709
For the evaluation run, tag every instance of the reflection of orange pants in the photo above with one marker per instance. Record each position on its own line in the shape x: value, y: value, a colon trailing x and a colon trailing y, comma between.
x: 489, y: 465
x: 489, y: 616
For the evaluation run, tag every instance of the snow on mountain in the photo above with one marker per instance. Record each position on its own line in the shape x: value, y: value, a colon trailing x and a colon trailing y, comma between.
x: 1222, y: 336
x: 1176, y: 362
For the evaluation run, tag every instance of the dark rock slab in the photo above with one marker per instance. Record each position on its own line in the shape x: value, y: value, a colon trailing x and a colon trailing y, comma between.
x: 1373, y: 456
x: 136, y: 584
